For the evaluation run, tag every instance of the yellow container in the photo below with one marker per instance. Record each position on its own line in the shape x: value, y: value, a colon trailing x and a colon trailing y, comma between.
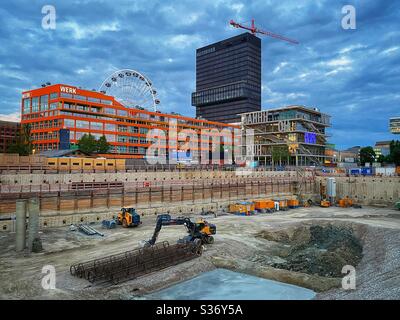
x: 76, y: 163
x: 120, y: 164
x: 64, y: 164
x: 87, y: 164
x: 110, y: 164
x: 52, y: 163
x: 99, y: 164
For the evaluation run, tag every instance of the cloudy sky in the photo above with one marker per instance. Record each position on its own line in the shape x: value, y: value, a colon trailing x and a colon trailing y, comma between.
x: 354, y: 75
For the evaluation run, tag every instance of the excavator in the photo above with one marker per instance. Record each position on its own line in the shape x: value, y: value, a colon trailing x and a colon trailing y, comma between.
x: 199, y: 231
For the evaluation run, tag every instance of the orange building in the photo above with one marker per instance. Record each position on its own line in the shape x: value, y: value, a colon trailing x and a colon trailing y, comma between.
x: 53, y: 107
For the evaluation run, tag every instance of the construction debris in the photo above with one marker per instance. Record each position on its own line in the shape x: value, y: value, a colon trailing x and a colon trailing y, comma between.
x: 90, y: 231
x: 108, y: 224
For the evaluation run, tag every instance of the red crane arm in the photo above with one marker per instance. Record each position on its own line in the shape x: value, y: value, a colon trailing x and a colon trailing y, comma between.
x: 255, y: 30
x: 277, y: 36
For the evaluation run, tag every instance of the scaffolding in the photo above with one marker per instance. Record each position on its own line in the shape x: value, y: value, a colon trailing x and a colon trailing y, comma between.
x: 293, y: 135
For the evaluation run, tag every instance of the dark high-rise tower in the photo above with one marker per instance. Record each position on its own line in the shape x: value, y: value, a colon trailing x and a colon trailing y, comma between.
x: 228, y: 78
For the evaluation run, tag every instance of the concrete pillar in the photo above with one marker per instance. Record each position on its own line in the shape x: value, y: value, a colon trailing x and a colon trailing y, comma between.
x: 20, y: 225
x: 33, y: 226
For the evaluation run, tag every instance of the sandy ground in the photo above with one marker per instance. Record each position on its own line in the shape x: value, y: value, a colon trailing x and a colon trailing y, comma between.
x: 236, y: 246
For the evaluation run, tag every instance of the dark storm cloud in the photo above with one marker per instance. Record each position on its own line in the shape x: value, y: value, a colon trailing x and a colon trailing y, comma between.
x: 351, y: 74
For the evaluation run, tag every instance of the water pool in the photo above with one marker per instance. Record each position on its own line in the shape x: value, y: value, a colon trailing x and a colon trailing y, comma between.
x: 222, y: 284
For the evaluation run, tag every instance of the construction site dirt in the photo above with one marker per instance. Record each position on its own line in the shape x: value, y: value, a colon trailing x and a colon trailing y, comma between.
x: 264, y: 245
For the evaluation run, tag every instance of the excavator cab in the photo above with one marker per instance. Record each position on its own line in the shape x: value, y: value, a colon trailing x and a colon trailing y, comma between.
x: 128, y: 217
x: 206, y: 230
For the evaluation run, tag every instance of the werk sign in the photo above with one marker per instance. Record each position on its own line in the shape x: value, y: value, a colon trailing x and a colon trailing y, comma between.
x: 68, y: 90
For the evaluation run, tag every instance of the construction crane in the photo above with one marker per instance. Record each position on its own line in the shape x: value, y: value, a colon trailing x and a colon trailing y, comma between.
x: 255, y: 30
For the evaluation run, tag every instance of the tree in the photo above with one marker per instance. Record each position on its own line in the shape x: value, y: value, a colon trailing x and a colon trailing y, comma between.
x: 381, y: 158
x: 102, y: 145
x: 367, y: 154
x: 394, y: 155
x: 279, y: 153
x: 87, y: 143
x: 23, y: 145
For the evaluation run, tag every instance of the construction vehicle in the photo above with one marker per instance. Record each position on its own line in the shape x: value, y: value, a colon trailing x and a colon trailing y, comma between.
x: 325, y: 203
x: 307, y: 203
x: 242, y: 208
x: 128, y: 217
x: 199, y: 232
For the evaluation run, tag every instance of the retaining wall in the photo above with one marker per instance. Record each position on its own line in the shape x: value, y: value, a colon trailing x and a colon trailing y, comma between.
x: 367, y: 190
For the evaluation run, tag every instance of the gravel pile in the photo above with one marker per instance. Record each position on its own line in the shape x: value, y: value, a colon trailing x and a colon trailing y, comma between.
x: 320, y: 250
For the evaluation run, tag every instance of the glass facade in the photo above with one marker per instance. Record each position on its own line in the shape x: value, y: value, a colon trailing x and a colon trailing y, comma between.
x: 35, y: 104
x: 96, y: 125
x: 69, y: 123
x: 82, y: 124
x: 228, y: 78
x: 44, y: 102
x: 224, y: 93
x: 394, y: 125
x: 26, y: 106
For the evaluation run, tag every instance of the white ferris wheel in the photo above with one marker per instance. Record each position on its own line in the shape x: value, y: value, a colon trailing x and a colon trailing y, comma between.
x: 132, y: 89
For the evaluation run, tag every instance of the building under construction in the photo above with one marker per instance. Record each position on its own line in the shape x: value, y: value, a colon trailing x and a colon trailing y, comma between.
x: 293, y: 135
